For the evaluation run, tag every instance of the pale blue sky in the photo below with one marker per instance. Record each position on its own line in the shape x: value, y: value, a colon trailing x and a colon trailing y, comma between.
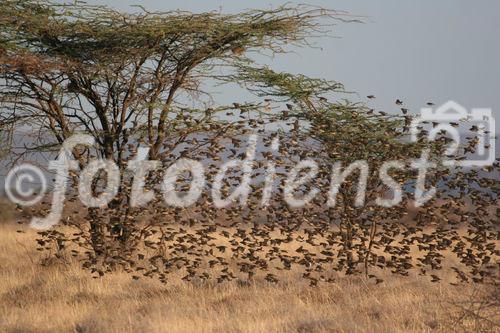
x: 417, y: 51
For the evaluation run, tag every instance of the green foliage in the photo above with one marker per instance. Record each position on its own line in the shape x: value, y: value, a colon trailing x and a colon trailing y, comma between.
x: 349, y: 130
x: 285, y: 86
x: 100, y: 35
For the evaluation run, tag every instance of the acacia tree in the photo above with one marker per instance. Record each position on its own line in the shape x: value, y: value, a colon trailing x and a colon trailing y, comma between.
x: 76, y: 67
x: 123, y: 78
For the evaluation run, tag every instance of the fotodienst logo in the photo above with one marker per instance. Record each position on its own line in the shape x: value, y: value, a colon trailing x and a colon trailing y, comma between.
x: 446, y: 119
x: 450, y: 118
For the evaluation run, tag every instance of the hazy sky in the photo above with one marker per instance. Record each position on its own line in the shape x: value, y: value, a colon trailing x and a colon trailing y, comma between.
x: 417, y: 51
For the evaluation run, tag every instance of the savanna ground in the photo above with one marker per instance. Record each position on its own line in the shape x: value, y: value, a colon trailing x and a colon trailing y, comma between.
x: 41, y: 295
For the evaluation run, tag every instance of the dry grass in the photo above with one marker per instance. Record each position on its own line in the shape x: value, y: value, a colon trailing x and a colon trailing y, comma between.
x: 7, y: 211
x: 62, y: 298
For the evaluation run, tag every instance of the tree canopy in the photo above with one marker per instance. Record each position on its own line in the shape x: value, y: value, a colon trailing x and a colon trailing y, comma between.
x: 59, y: 59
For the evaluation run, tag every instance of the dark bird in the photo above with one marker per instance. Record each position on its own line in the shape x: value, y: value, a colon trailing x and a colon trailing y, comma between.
x: 435, y: 278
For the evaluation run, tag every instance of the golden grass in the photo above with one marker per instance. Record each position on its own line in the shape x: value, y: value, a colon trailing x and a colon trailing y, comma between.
x: 63, y: 298
x: 7, y: 211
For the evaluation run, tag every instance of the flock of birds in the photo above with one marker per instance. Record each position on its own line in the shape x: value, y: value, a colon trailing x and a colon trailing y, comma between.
x: 320, y: 244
